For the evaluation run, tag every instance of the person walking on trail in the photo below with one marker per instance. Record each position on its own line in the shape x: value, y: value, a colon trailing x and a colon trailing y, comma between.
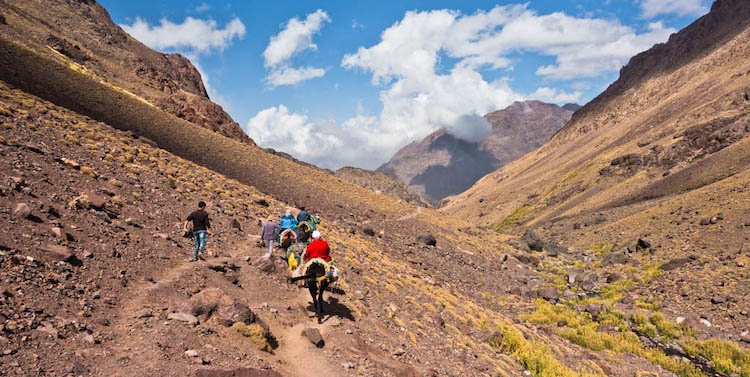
x: 288, y: 221
x: 303, y: 215
x: 201, y: 226
x: 268, y: 234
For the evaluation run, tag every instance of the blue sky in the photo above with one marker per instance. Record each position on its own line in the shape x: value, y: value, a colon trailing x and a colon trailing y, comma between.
x: 348, y: 83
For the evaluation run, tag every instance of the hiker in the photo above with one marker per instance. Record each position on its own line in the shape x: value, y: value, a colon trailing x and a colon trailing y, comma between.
x: 288, y: 221
x: 303, y: 215
x: 201, y: 226
x: 268, y: 234
x: 318, y: 249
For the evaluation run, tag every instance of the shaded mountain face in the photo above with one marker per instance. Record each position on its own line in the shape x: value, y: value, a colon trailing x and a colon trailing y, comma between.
x: 442, y: 165
x: 571, y: 106
x: 677, y: 120
x: 82, y: 35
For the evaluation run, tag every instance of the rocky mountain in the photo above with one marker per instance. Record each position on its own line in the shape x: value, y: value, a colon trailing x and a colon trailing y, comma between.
x: 380, y: 182
x: 661, y: 154
x: 571, y: 106
x: 442, y: 165
x: 95, y: 184
x: 82, y: 35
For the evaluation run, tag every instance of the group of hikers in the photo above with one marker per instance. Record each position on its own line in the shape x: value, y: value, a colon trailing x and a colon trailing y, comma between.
x: 306, y: 253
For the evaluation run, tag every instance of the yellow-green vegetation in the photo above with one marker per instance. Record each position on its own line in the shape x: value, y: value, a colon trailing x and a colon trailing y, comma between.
x: 727, y: 357
x: 256, y: 334
x: 650, y: 272
x: 648, y: 304
x: 643, y: 325
x: 581, y: 329
x: 614, y: 291
x: 601, y: 249
x: 536, y: 358
x: 514, y: 218
x: 670, y: 330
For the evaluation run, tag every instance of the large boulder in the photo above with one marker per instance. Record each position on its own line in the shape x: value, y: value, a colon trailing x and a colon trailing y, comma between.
x: 554, y: 250
x: 677, y: 263
x: 533, y: 240
x: 548, y: 293
x: 427, y: 239
x: 613, y: 259
x: 206, y: 302
x: 230, y: 314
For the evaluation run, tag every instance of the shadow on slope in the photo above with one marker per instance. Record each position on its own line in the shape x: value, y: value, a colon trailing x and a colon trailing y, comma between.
x: 468, y: 164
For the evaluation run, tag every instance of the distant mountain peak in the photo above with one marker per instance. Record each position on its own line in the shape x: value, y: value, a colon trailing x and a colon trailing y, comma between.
x: 442, y: 165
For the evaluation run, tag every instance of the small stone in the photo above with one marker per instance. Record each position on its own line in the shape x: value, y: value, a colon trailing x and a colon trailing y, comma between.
x: 718, y: 300
x: 313, y: 335
x: 191, y: 353
x: 58, y: 252
x: 22, y: 211
x: 549, y: 293
x: 705, y: 322
x: 348, y: 365
x: 144, y: 313
x: 369, y: 231
x: 89, y: 339
x: 184, y: 317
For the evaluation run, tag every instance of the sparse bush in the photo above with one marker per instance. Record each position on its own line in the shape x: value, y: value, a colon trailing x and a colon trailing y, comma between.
x: 256, y: 333
x: 726, y: 356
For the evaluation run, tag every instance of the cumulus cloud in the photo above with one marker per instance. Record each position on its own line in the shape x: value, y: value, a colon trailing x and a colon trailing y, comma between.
x: 552, y: 95
x: 323, y: 143
x: 295, y: 37
x: 193, y: 34
x: 654, y: 8
x: 430, y: 66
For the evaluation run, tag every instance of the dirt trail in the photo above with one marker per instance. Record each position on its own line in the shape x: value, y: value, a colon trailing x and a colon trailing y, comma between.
x: 300, y: 357
x: 412, y: 216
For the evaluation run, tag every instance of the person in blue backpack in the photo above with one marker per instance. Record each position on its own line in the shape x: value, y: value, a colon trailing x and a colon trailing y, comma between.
x: 288, y: 221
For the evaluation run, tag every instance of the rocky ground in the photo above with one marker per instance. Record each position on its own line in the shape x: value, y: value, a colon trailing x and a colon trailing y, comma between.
x: 95, y: 280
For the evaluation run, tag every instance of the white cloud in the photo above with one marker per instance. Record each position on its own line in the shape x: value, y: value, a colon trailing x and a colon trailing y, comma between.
x: 356, y: 24
x: 193, y: 34
x: 430, y: 67
x: 295, y: 37
x: 552, y: 95
x: 653, y: 8
x: 293, y: 76
x: 322, y: 143
x: 204, y: 7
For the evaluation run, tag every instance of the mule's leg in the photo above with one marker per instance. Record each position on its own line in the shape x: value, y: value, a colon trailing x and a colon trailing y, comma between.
x: 313, y: 286
x: 323, y: 286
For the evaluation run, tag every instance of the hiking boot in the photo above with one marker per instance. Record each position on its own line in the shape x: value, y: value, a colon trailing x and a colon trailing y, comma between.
x: 193, y: 260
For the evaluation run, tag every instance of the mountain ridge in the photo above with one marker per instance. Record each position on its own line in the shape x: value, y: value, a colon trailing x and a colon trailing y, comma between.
x: 442, y: 165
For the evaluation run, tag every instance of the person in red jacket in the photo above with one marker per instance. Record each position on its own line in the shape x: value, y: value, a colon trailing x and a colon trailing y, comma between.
x: 318, y: 248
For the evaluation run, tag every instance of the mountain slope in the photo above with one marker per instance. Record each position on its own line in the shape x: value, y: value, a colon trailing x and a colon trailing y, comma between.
x: 82, y: 34
x: 94, y: 278
x: 380, y: 182
x: 654, y: 132
x: 442, y: 165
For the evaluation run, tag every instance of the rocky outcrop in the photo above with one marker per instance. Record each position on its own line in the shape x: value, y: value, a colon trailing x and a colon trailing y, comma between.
x: 102, y: 49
